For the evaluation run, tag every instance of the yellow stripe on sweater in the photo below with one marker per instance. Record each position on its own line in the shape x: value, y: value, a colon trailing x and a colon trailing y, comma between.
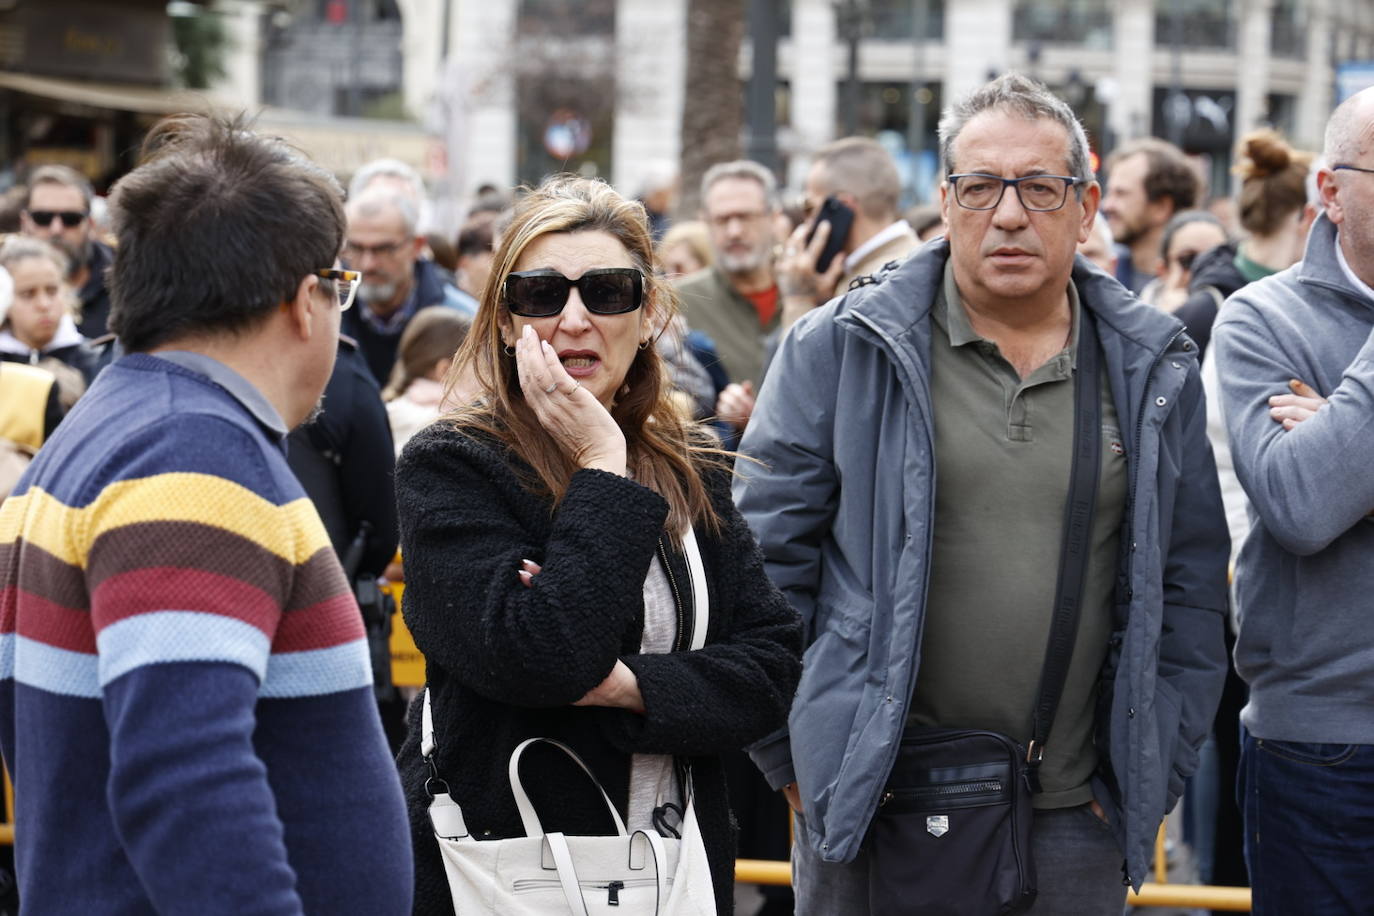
x: 293, y: 532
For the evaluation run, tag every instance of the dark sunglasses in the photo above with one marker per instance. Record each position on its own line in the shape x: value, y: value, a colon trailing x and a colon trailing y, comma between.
x: 70, y: 218
x: 543, y: 293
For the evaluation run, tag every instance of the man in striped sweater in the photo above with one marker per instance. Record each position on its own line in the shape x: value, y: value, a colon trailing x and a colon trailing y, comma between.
x: 185, y: 692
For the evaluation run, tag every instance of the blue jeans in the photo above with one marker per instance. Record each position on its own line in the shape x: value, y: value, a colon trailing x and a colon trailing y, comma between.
x: 1077, y: 867
x: 1309, y: 826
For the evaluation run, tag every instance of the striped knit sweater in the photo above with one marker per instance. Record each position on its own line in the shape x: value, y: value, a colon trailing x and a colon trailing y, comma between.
x: 185, y: 699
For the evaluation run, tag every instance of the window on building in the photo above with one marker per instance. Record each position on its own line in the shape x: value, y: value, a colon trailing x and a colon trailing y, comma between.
x: 566, y: 17
x: 1195, y: 24
x: 1283, y: 113
x: 895, y: 20
x: 886, y: 110
x: 1288, y: 36
x: 1087, y: 23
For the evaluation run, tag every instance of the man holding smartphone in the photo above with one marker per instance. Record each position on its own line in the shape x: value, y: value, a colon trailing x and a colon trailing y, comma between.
x: 852, y: 227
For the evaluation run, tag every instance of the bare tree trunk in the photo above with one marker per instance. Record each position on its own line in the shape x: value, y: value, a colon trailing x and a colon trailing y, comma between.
x: 713, y: 109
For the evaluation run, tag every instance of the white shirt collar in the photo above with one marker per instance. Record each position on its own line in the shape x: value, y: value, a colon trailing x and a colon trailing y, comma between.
x: 1350, y: 275
x: 896, y: 230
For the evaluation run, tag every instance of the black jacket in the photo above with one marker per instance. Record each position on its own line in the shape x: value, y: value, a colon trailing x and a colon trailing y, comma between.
x: 504, y: 662
x: 95, y: 296
x: 344, y: 458
x: 1215, y: 269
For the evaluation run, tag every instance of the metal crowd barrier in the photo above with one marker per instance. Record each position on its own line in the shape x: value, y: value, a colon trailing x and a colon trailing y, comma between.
x: 1157, y: 893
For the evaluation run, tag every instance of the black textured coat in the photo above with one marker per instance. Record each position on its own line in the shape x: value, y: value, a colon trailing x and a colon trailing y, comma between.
x: 504, y: 662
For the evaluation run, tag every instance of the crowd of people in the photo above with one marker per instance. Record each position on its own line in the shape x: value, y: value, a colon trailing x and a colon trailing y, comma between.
x: 725, y: 516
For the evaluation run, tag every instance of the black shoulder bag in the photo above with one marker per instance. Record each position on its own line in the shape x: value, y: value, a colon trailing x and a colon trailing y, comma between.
x: 952, y: 831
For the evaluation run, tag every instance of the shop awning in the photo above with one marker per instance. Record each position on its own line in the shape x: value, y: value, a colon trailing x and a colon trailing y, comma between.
x: 110, y: 96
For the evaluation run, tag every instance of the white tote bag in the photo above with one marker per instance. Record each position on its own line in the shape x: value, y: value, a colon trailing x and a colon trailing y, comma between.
x: 639, y: 874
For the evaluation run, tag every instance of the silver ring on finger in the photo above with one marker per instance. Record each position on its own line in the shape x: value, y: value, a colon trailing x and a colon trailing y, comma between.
x: 552, y: 387
x: 573, y: 390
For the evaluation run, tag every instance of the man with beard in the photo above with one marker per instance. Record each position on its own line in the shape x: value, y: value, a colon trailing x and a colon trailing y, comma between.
x: 735, y: 301
x: 1148, y: 181
x: 58, y: 210
x: 384, y: 244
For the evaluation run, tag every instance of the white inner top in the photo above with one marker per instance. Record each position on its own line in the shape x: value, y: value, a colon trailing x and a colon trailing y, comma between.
x: 652, y: 777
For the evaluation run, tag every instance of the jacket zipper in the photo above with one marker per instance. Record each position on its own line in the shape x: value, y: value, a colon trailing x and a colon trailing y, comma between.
x: 677, y: 596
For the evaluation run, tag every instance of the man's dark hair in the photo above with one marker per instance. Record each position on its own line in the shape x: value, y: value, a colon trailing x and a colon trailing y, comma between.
x: 475, y: 238
x: 216, y: 229
x: 1168, y: 172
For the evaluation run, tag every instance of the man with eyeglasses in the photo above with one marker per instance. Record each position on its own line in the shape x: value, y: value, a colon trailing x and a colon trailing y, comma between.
x: 1294, y: 356
x: 735, y: 302
x: 915, y: 440
x: 384, y: 244
x: 58, y: 210
x: 188, y: 709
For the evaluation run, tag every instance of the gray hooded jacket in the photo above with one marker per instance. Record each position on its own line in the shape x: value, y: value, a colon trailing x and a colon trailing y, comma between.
x: 843, y: 505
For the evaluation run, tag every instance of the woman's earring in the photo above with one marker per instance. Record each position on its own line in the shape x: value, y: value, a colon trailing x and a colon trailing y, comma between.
x: 508, y: 350
x: 644, y: 344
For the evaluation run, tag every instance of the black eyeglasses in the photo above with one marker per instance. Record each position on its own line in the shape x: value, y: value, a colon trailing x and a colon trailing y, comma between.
x: 1352, y: 168
x: 1041, y: 193
x: 543, y: 293
x: 70, y: 218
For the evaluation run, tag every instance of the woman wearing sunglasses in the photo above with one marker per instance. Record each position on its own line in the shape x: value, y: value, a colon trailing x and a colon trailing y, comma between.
x: 547, y: 528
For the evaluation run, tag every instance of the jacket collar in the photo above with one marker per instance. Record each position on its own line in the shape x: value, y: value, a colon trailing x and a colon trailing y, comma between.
x: 1319, y: 266
x: 904, y: 299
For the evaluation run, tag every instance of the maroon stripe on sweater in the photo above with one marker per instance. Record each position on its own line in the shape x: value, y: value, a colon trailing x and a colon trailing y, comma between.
x: 52, y: 624
x: 322, y: 626
x: 141, y: 591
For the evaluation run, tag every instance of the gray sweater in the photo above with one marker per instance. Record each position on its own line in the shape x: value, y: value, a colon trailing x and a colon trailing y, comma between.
x: 1305, y: 576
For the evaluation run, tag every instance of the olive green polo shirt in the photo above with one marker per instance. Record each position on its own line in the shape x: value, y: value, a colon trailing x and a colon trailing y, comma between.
x: 1003, y: 454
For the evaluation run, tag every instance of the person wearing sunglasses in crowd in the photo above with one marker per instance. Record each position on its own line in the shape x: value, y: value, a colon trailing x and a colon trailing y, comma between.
x: 58, y: 210
x: 1186, y: 235
x: 546, y: 526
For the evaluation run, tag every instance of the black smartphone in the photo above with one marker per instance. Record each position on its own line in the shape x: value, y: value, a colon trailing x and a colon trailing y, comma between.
x: 840, y: 218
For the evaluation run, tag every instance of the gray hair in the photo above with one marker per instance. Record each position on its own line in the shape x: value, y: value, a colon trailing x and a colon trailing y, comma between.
x: 862, y: 167
x: 1018, y: 95
x: 379, y: 202
x: 748, y: 170
x: 62, y: 175
x: 388, y: 168
x: 18, y: 248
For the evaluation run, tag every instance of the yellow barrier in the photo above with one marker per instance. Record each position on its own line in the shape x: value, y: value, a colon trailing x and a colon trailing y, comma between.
x: 761, y: 871
x: 407, y: 664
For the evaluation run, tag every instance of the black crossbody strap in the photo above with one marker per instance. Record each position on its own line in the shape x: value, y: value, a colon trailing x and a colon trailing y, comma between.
x: 1075, y: 549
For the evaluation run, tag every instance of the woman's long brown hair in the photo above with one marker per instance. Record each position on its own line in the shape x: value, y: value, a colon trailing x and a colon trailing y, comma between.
x: 665, y: 451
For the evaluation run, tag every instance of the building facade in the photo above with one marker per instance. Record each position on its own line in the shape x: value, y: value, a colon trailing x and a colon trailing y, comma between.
x: 1199, y: 73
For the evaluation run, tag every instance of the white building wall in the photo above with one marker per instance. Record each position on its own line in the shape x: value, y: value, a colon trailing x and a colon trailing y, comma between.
x: 813, y: 61
x: 977, y: 42
x: 484, y: 83
x: 421, y: 52
x: 651, y: 56
x: 242, y: 83
x: 1314, y: 103
x: 1252, y: 64
x: 1132, y: 92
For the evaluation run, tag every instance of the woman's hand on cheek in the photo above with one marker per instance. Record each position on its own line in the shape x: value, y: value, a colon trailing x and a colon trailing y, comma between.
x: 576, y: 420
